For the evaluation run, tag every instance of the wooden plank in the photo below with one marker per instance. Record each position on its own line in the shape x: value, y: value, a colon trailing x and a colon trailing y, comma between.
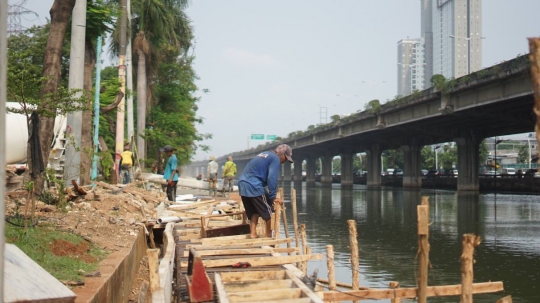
x: 220, y: 289
x: 237, y: 276
x: 238, y: 244
x: 296, y: 300
x: 259, y: 261
x: 262, y: 295
x: 306, y: 291
x: 469, y: 242
x: 224, y: 239
x: 258, y: 285
x: 153, y: 268
x: 410, y: 293
x: 241, y: 251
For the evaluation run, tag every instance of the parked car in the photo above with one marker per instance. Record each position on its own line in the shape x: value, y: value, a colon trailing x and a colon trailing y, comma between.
x: 424, y: 172
x: 532, y: 173
x: 398, y: 172
x: 433, y: 174
x: 508, y: 171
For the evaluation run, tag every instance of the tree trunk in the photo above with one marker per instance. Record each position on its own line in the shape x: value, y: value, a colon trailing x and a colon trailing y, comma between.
x: 141, y: 106
x: 60, y: 16
x: 86, y: 129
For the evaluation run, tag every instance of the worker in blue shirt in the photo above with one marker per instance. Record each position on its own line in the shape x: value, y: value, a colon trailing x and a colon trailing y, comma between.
x: 258, y: 186
x: 170, y: 173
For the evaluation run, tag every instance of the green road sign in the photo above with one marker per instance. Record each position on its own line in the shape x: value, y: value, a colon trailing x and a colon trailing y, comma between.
x: 270, y: 137
x: 257, y: 136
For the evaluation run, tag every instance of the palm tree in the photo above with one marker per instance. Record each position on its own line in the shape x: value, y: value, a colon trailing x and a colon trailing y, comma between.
x: 158, y: 23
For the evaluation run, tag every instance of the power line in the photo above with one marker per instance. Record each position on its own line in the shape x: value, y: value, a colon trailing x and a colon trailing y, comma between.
x: 15, y: 11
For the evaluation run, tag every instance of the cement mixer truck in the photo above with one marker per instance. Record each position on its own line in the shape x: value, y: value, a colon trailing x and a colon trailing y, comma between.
x: 16, y: 140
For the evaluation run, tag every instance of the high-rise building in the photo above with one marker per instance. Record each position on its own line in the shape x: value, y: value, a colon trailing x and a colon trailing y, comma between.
x: 452, y: 30
x: 410, y: 66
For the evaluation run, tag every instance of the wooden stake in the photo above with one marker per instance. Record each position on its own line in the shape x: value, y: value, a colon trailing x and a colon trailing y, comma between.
x: 470, y: 241
x: 308, y: 252
x: 423, y: 249
x: 507, y: 299
x: 153, y: 268
x: 295, y: 218
x: 277, y: 228
x: 304, y: 245
x: 394, y: 285
x: 330, y: 265
x: 355, y: 262
x: 534, y: 57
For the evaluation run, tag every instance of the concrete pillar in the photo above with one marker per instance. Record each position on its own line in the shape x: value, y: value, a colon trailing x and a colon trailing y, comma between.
x: 326, y: 167
x: 310, y: 171
x: 374, y: 166
x: 412, y: 177
x: 240, y: 165
x: 346, y: 169
x: 287, y: 171
x: 297, y: 170
x: 468, y: 164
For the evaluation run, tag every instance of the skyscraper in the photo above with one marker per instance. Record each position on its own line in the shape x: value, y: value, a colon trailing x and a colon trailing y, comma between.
x: 452, y: 30
x: 410, y: 66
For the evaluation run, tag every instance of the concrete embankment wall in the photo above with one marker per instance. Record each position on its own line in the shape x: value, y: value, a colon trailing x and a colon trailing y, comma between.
x: 117, y: 273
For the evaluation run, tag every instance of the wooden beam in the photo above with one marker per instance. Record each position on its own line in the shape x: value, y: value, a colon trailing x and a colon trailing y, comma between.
x: 507, y: 299
x: 228, y: 245
x: 239, y: 276
x: 306, y: 291
x: 153, y: 268
x: 410, y: 293
x: 469, y: 242
x: 220, y: 289
x: 263, y: 295
x: 241, y: 251
x: 258, y: 261
x: 258, y: 285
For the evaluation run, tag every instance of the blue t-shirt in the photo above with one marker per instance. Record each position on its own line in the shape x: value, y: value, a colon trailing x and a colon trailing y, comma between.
x: 171, y: 168
x: 261, y: 172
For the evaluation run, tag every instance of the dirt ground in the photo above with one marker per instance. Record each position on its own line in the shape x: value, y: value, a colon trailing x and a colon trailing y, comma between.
x: 109, y: 218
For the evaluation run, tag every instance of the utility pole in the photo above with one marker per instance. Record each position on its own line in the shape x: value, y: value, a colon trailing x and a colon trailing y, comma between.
x: 72, y: 169
x: 3, y: 100
x: 120, y: 113
x: 129, y: 79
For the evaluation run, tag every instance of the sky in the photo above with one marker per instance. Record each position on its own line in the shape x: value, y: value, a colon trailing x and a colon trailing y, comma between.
x: 276, y: 67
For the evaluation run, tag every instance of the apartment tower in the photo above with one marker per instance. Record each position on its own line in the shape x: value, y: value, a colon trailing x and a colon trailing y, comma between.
x: 452, y: 31
x: 410, y: 66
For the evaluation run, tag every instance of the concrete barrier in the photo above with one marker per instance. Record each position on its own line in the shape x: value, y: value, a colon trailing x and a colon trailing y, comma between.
x: 117, y: 273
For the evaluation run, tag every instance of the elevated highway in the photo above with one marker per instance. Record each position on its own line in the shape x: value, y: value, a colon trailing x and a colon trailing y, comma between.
x: 491, y: 102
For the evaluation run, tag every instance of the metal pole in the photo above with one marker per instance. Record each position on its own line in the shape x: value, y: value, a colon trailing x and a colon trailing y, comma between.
x: 96, y: 109
x: 3, y: 100
x: 529, y: 142
x: 129, y: 79
x: 72, y: 169
x: 120, y: 113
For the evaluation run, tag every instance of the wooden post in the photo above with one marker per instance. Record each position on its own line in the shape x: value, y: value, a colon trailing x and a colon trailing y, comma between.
x: 470, y: 241
x: 507, y: 299
x: 355, y: 262
x: 295, y: 218
x: 330, y: 265
x: 304, y: 244
x: 394, y: 285
x: 277, y: 219
x: 285, y: 225
x: 423, y: 249
x: 153, y: 268
x: 534, y: 57
x: 308, y: 252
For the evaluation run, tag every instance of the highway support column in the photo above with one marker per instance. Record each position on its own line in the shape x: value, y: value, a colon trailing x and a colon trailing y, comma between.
x: 411, y: 166
x: 297, y: 170
x: 326, y: 167
x: 468, y: 163
x: 287, y: 171
x: 346, y: 169
x: 374, y: 166
x: 310, y: 171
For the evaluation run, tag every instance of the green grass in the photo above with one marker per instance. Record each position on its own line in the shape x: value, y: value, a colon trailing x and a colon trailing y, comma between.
x: 35, y: 243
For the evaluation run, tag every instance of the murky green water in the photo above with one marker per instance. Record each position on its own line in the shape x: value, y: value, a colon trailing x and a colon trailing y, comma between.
x: 386, y: 222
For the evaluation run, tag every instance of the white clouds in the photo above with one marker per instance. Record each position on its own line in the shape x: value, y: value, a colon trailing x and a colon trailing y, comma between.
x: 246, y: 59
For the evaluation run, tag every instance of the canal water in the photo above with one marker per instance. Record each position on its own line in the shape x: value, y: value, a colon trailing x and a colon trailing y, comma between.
x: 509, y: 225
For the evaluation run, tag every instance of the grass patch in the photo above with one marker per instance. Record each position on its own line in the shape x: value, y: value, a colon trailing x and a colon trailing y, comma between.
x: 60, y: 253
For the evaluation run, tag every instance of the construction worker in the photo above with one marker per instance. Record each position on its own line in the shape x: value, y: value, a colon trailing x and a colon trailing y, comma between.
x: 126, y: 163
x: 170, y: 173
x: 211, y: 175
x: 229, y: 170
